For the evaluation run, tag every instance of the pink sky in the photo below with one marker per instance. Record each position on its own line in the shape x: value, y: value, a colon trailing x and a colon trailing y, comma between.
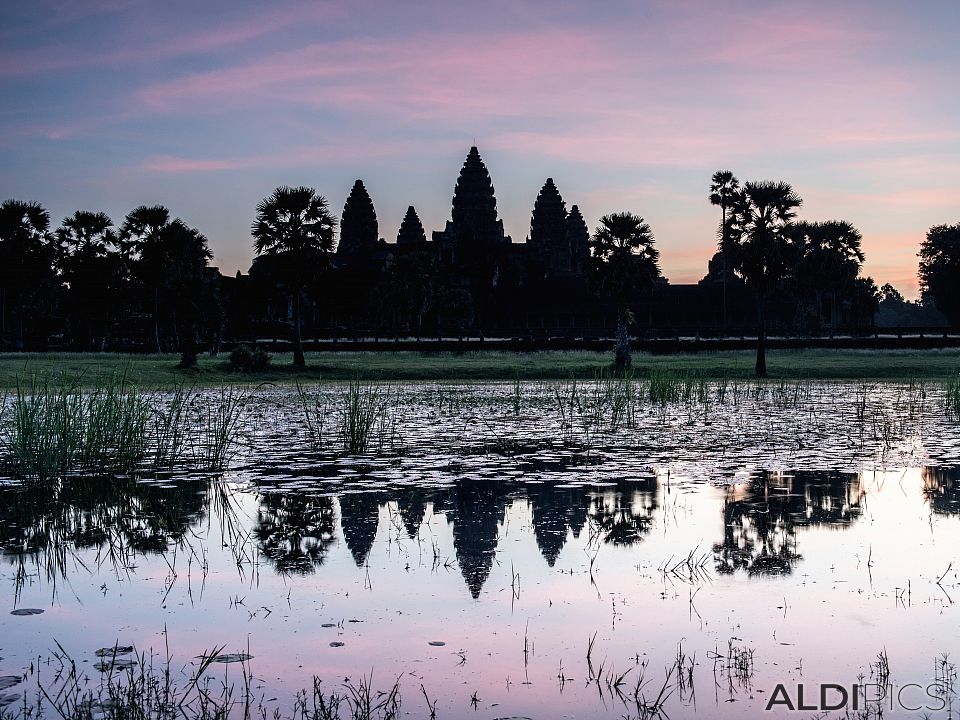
x: 628, y: 106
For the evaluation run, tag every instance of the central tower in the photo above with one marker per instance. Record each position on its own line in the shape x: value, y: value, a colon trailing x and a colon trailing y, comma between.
x: 473, y: 228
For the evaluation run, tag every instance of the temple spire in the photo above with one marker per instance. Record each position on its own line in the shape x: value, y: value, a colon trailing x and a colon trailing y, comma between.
x: 358, y: 225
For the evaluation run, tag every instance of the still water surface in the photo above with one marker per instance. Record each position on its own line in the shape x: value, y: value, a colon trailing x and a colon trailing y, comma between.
x: 516, y: 563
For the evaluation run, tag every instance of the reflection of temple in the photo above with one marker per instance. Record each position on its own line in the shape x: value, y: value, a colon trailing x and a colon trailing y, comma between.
x: 359, y: 519
x: 941, y: 488
x: 761, y: 517
x: 477, y: 511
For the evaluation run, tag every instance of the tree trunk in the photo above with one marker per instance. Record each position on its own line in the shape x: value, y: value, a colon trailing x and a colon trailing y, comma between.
x: 188, y: 353
x: 761, y: 368
x: 156, y: 322
x: 621, y: 352
x: 298, y: 359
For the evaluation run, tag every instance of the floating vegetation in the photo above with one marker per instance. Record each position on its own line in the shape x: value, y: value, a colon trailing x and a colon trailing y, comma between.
x: 22, y: 612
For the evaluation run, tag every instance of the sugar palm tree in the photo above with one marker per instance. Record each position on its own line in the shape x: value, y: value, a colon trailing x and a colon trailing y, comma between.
x: 295, y: 227
x: 26, y: 260
x: 92, y: 269
x: 623, y: 262
x: 829, y: 259
x: 723, y: 188
x: 139, y: 240
x: 758, y: 245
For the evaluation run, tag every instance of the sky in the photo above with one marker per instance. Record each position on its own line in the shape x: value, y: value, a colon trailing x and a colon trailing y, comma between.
x: 206, y: 107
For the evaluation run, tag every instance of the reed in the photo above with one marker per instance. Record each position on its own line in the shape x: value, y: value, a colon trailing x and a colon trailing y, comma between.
x: 364, y: 406
x: 952, y: 397
x: 55, y: 427
x: 217, y: 421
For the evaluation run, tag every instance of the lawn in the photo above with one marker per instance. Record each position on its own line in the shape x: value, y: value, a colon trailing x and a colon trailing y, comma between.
x: 160, y: 371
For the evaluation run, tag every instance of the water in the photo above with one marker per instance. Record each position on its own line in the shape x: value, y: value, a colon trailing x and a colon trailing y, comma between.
x: 517, y: 559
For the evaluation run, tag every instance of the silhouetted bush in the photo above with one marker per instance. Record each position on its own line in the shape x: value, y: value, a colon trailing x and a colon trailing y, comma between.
x: 246, y: 359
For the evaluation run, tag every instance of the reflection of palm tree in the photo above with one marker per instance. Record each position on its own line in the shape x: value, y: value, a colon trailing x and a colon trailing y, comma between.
x: 119, y: 517
x: 295, y: 531
x: 723, y: 187
x: 761, y: 519
x: 296, y: 227
x: 622, y: 518
x: 941, y: 488
x: 359, y: 519
x: 757, y: 244
x: 624, y: 261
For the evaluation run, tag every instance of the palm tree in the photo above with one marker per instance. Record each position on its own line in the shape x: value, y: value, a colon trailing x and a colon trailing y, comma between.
x: 829, y: 259
x: 138, y: 240
x: 186, y: 287
x: 295, y: 227
x: 757, y: 242
x: 26, y: 261
x: 623, y: 261
x: 723, y: 188
x: 92, y: 268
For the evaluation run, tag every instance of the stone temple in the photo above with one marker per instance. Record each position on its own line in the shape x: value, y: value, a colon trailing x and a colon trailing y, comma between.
x: 472, y: 279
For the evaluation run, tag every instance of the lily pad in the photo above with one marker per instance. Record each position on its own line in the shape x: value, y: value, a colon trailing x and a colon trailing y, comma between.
x: 437, y: 643
x: 328, y: 625
x: 26, y: 611
x: 8, y: 699
x: 119, y: 663
x: 8, y: 681
x: 114, y: 651
x: 231, y: 658
x: 336, y: 643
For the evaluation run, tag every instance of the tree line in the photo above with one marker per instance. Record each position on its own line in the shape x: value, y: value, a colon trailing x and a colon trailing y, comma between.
x: 155, y: 269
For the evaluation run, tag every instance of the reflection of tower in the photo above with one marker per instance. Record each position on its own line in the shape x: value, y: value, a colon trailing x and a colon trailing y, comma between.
x: 412, y: 505
x: 295, y: 531
x: 359, y: 518
x: 555, y: 511
x: 476, y: 518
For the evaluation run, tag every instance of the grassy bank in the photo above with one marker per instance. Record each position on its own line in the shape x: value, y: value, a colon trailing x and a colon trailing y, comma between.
x: 159, y: 370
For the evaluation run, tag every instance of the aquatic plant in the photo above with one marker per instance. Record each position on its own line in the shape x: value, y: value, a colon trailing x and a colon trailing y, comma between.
x: 951, y: 390
x: 136, y: 686
x: 364, y: 405
x: 217, y: 424
x: 54, y: 426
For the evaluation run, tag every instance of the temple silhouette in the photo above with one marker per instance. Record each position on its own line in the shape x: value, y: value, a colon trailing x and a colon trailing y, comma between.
x: 472, y: 279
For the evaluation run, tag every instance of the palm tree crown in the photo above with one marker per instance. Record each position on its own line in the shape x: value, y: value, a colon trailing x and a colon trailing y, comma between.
x: 623, y: 255
x: 757, y: 239
x: 294, y: 221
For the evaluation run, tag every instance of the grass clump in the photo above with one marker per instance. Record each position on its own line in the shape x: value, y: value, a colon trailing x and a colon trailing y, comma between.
x: 249, y: 359
x: 364, y: 416
x: 952, y: 397
x: 53, y: 427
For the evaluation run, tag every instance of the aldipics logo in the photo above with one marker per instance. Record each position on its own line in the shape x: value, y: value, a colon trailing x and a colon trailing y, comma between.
x: 824, y: 697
